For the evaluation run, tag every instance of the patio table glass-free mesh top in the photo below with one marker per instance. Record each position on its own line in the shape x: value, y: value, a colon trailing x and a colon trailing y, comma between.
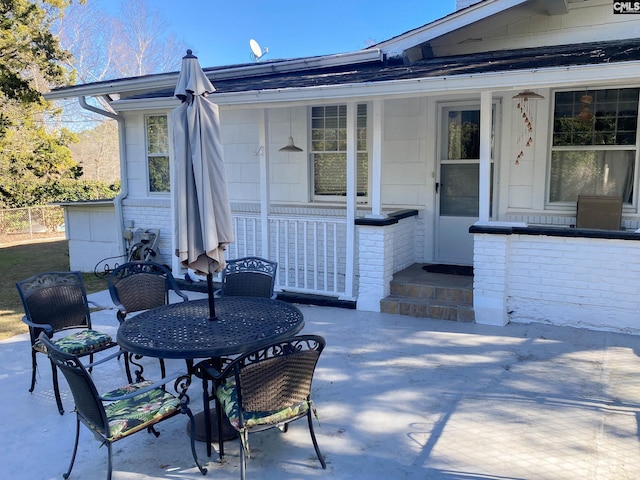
x: 184, y: 331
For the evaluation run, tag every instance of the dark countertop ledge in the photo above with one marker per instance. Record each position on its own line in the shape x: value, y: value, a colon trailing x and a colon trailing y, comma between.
x: 391, y: 219
x: 556, y: 232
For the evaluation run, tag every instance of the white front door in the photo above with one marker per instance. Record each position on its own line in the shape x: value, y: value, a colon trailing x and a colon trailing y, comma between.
x: 457, y: 182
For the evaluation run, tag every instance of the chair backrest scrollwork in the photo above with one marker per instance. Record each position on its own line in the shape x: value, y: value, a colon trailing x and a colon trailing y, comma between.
x: 249, y: 276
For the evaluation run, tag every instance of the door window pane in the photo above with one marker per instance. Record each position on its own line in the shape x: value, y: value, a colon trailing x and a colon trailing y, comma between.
x: 459, y: 190
x: 459, y: 161
x: 463, y: 135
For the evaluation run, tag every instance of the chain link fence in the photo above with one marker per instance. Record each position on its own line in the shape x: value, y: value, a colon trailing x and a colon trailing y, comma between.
x: 23, y: 224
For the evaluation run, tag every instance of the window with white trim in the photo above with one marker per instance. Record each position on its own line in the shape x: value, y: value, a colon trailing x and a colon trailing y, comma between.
x: 157, y: 139
x: 329, y: 151
x: 594, y: 144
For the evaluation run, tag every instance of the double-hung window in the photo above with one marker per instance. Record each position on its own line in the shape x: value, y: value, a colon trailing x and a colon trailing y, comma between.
x: 329, y: 151
x: 594, y: 144
x: 157, y: 133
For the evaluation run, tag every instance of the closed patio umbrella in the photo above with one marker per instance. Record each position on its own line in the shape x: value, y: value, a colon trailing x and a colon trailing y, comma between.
x: 203, y: 226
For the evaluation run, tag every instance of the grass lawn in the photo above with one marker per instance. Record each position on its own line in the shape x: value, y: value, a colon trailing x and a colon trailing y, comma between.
x: 18, y: 262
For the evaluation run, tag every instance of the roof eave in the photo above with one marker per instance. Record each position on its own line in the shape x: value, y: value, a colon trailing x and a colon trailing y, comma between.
x: 462, y: 18
x: 115, y: 87
x: 134, y: 85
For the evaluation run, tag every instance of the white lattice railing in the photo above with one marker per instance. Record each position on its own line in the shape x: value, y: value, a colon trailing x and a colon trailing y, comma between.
x: 247, y: 233
x: 311, y: 252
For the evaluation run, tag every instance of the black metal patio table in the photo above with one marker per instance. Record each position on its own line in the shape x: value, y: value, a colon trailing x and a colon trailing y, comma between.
x: 184, y: 330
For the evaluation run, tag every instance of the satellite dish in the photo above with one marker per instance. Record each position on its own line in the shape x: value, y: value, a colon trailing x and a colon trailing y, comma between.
x: 256, y: 50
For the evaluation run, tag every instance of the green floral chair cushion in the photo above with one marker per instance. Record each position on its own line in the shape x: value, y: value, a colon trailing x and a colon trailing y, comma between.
x: 78, y: 343
x: 132, y: 414
x: 228, y: 396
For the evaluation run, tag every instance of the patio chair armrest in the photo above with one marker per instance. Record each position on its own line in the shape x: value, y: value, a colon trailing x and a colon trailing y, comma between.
x: 211, y: 372
x: 99, y: 306
x: 173, y: 285
x: 158, y: 384
x: 102, y: 360
x: 184, y: 296
x: 45, y: 327
x: 121, y: 312
x: 205, y: 369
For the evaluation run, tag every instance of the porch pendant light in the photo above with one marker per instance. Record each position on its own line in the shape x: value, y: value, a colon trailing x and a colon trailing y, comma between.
x: 290, y: 146
x: 529, y: 95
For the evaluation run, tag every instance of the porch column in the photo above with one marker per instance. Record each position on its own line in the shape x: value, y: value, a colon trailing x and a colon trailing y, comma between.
x: 490, y: 278
x: 376, y: 159
x: 375, y: 265
x: 385, y: 246
x: 485, y: 157
x: 351, y: 197
x: 264, y: 182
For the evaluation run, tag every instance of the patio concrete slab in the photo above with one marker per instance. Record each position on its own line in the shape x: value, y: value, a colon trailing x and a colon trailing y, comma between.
x: 398, y: 398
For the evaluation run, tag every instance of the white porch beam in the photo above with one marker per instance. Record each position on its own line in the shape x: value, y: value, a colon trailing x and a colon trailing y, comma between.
x: 351, y: 197
x: 485, y: 156
x: 376, y: 158
x: 263, y: 154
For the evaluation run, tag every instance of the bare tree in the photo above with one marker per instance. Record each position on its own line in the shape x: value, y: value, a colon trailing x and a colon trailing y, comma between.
x: 88, y: 33
x: 103, y: 47
x: 97, y: 152
x: 141, y: 33
x: 133, y: 43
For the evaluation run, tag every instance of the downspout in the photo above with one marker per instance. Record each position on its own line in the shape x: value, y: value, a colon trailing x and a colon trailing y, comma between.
x: 124, y: 191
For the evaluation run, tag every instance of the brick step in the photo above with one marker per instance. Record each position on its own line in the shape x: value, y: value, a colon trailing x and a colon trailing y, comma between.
x: 418, y: 293
x: 463, y: 296
x: 428, y: 308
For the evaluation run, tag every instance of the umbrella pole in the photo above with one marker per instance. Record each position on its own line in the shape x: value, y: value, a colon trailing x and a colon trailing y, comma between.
x: 212, y: 305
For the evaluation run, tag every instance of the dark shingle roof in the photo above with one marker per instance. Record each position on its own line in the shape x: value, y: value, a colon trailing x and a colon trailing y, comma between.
x: 395, y: 69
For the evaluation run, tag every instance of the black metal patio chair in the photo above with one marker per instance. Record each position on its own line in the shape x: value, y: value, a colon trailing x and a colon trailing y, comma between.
x: 250, y: 277
x: 124, y: 411
x: 139, y: 286
x: 263, y: 389
x: 54, y: 302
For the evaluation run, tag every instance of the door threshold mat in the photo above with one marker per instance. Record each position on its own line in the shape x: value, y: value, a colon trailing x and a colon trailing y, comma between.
x: 449, y: 269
